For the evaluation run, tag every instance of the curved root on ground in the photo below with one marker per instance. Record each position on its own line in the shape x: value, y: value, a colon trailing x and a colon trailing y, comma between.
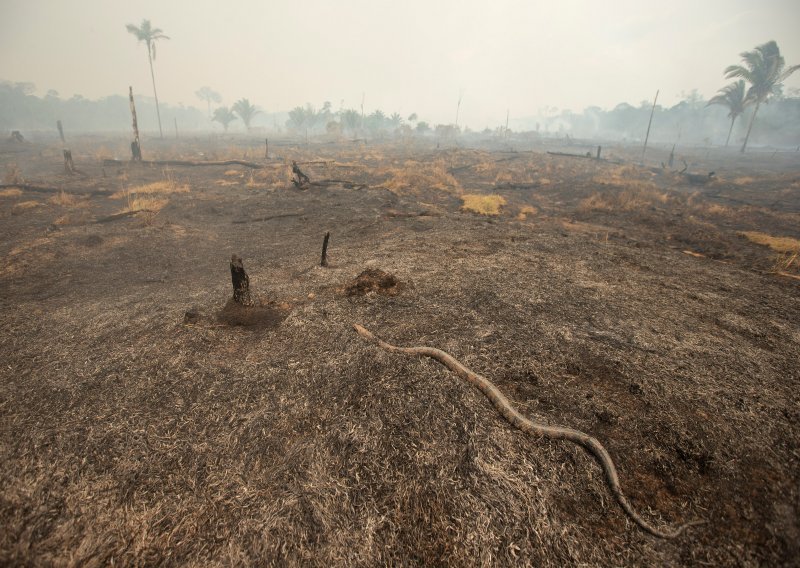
x: 502, y: 404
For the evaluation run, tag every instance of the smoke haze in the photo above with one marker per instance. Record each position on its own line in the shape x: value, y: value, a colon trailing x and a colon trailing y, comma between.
x: 413, y: 57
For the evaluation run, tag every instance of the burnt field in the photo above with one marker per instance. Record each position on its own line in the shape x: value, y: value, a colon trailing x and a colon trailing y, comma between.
x: 144, y: 424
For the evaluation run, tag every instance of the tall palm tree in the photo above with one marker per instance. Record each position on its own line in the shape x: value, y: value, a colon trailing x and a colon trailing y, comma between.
x: 765, y: 69
x: 148, y: 34
x: 224, y: 116
x: 733, y: 96
x: 245, y: 110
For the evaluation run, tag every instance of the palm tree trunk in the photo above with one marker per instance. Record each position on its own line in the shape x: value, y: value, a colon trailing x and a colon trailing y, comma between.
x: 155, y: 94
x: 752, y: 120
x: 730, y: 131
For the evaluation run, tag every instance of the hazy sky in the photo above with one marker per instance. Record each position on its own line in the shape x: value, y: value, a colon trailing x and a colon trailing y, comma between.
x: 405, y: 56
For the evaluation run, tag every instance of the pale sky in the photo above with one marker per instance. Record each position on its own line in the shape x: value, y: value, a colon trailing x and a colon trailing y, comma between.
x: 405, y: 56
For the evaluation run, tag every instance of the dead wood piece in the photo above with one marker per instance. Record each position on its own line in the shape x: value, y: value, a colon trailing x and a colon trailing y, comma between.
x: 699, y: 179
x: 269, y: 218
x: 324, y: 261
x: 122, y: 215
x: 241, y: 282
x: 343, y: 182
x: 189, y: 163
x: 69, y: 165
x: 16, y: 136
x: 510, y: 185
x: 567, y: 155
x: 44, y: 189
x: 299, y: 179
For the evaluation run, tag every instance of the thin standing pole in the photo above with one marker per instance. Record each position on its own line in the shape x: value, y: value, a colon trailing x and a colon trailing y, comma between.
x: 136, y: 148
x: 647, y: 136
x: 176, y: 127
x: 508, y: 111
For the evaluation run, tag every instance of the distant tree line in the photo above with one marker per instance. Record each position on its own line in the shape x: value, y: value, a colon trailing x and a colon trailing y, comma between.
x: 21, y: 110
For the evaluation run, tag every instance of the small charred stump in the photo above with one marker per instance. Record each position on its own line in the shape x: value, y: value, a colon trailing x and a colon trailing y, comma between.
x: 69, y: 165
x: 16, y: 136
x: 241, y: 283
x: 299, y: 179
x: 324, y: 261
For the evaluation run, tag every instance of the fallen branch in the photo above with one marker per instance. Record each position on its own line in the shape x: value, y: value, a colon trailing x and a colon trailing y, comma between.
x: 252, y: 165
x: 343, y: 182
x: 512, y: 415
x: 565, y: 154
x: 259, y: 219
x: 44, y: 189
x: 124, y: 214
x: 509, y: 185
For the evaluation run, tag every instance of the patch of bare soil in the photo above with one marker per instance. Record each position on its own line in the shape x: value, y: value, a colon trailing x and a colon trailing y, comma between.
x: 619, y: 300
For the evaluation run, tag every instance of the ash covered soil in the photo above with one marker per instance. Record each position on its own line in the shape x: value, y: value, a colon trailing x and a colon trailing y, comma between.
x: 606, y: 297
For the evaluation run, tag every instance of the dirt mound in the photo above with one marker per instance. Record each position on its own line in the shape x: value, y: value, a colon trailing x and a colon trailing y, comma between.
x: 260, y: 316
x: 374, y: 280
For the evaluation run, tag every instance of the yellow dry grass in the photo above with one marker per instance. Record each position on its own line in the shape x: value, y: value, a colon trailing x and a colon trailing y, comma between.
x: 64, y: 199
x: 483, y: 204
x: 626, y: 200
x: 164, y: 186
x: 232, y: 172
x: 414, y: 177
x: 526, y: 210
x: 778, y: 244
x: 744, y: 180
x: 11, y: 192
x: 625, y: 177
x: 27, y: 205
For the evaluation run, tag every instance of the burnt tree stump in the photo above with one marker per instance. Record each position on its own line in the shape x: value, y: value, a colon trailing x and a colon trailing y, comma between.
x: 299, y: 179
x: 241, y: 282
x: 324, y: 261
x: 69, y: 165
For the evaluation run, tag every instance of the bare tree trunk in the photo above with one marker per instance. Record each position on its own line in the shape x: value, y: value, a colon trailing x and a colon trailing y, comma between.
x: 155, y: 94
x: 752, y: 120
x: 647, y: 136
x: 136, y: 148
x: 730, y: 131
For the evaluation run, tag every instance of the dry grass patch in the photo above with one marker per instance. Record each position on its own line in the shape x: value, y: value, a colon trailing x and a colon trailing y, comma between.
x: 13, y: 175
x: 625, y: 177
x: 744, y: 180
x: 778, y: 244
x: 625, y: 200
x: 483, y: 204
x: 64, y: 199
x: 11, y: 192
x: 526, y: 210
x: 27, y: 205
x: 164, y: 186
x: 414, y: 176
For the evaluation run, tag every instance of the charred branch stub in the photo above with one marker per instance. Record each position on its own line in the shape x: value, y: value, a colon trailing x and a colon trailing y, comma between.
x: 69, y: 165
x: 16, y: 136
x: 241, y: 282
x: 324, y: 261
x: 60, y: 131
x: 299, y: 179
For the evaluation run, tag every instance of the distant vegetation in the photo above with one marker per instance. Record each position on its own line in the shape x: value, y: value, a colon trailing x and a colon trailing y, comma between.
x: 694, y: 120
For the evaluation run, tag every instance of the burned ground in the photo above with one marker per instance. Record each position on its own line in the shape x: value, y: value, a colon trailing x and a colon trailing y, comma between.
x: 619, y: 300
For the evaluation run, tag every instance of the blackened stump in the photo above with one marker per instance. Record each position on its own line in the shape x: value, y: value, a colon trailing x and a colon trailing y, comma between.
x: 241, y: 283
x: 324, y: 261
